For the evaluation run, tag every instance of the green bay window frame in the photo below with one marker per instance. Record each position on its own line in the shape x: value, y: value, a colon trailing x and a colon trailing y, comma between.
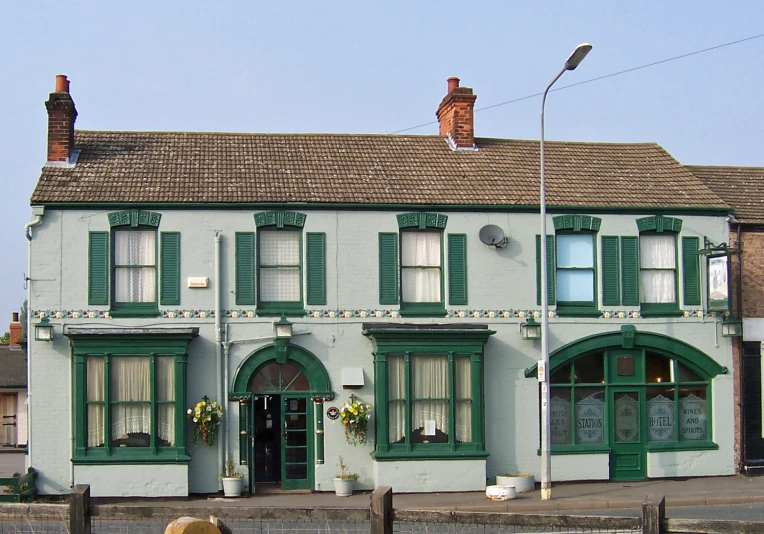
x: 293, y: 222
x: 109, y: 345
x: 409, y: 343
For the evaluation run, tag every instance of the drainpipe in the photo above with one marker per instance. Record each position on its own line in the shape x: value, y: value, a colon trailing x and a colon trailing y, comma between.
x: 37, y: 212
x: 741, y: 356
x: 218, y: 350
x: 226, y: 356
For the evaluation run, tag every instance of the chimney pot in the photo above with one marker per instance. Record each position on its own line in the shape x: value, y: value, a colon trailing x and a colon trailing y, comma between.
x: 62, y: 84
x: 15, y: 317
x: 453, y: 83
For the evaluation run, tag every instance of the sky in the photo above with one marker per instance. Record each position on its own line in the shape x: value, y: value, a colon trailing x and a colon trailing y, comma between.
x: 345, y: 66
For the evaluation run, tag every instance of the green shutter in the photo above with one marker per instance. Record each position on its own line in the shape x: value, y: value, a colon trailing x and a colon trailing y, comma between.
x: 550, y: 264
x: 98, y: 268
x: 630, y: 270
x: 457, y: 268
x: 169, y: 267
x: 690, y: 263
x: 316, y: 265
x: 388, y: 268
x: 611, y: 287
x: 245, y: 267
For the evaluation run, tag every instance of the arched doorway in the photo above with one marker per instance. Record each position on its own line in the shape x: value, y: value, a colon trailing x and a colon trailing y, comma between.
x: 280, y: 394
x: 628, y: 393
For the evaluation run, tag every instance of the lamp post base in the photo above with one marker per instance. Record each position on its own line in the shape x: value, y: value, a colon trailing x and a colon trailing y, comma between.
x: 546, y: 494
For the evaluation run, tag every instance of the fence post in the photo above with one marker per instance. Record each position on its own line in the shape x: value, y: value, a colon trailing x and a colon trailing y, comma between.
x: 381, y: 510
x: 79, y: 509
x: 653, y: 514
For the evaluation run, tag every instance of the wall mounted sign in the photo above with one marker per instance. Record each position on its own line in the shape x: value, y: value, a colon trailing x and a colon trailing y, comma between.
x: 332, y: 413
x: 718, y: 293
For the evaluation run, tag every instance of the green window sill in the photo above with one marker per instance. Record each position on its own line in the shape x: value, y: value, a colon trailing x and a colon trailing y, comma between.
x: 682, y: 446
x: 577, y: 310
x: 660, y: 310
x: 276, y: 309
x: 129, y: 455
x: 135, y: 310
x: 397, y: 456
x: 429, y: 309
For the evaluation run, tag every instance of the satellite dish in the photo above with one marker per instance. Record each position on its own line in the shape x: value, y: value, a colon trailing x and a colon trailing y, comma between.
x: 490, y: 234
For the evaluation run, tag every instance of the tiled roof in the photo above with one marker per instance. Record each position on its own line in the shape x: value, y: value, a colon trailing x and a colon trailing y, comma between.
x: 13, y: 368
x: 167, y: 167
x: 740, y: 187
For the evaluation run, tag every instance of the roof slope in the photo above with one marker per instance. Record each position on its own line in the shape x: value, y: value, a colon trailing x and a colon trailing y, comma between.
x: 168, y: 167
x: 13, y: 368
x: 740, y: 187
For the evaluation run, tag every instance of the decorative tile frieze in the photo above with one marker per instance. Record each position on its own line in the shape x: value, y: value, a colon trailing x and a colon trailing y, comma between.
x: 188, y: 314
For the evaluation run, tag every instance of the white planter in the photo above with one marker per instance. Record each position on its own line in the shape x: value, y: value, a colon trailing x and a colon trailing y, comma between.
x: 343, y: 487
x: 232, y: 486
x: 522, y: 483
x: 500, y: 493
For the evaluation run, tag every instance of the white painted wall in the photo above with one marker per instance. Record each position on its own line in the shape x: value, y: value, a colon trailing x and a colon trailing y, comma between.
x: 499, y: 280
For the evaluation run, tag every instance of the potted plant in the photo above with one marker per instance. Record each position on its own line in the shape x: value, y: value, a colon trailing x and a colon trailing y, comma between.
x: 355, y: 416
x: 205, y: 416
x: 344, y: 482
x: 232, y: 479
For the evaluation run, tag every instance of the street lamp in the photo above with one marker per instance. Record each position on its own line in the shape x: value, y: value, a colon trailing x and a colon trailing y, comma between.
x: 575, y: 58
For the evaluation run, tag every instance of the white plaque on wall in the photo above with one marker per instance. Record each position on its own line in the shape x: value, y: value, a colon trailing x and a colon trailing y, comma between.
x: 198, y: 281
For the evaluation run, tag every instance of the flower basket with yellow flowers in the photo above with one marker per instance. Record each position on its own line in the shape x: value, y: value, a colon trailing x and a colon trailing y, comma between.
x: 206, y: 416
x: 355, y: 416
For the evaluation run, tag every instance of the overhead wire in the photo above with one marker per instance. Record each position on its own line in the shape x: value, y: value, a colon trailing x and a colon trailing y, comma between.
x: 654, y: 63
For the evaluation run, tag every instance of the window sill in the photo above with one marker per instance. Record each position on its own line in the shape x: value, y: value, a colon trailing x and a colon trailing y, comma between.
x: 277, y: 309
x: 660, y: 310
x: 426, y: 310
x: 150, y: 310
x: 682, y: 446
x: 577, y: 311
x: 577, y: 449
x: 397, y: 456
x: 121, y: 456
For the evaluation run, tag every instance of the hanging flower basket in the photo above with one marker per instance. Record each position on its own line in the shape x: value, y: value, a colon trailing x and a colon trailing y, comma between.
x: 206, y: 416
x: 355, y: 418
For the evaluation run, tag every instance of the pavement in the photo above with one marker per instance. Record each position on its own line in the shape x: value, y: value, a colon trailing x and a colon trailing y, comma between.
x: 709, y: 491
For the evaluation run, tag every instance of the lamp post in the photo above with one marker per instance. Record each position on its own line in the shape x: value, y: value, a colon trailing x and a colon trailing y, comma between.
x: 573, y: 61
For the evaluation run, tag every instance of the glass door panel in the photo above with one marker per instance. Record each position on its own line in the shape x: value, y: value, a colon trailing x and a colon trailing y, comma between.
x: 628, y: 455
x: 295, y: 470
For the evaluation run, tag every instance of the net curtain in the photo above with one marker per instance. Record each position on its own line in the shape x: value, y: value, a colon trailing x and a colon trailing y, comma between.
x: 420, y: 261
x: 135, y: 248
x: 658, y: 260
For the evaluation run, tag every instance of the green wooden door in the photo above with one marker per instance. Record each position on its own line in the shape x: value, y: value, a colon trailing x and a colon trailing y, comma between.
x: 628, y: 457
x: 297, y: 443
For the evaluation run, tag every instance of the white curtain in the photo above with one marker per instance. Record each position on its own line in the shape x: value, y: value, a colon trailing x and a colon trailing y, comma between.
x: 429, y: 380
x: 420, y: 262
x: 130, y: 381
x: 657, y: 254
x: 279, y: 266
x: 165, y: 381
x: 396, y: 392
x: 135, y: 248
x: 463, y: 390
x: 95, y: 393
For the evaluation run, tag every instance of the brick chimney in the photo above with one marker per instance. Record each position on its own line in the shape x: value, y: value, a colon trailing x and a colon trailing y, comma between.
x: 15, y: 331
x: 456, y: 115
x: 61, y: 117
